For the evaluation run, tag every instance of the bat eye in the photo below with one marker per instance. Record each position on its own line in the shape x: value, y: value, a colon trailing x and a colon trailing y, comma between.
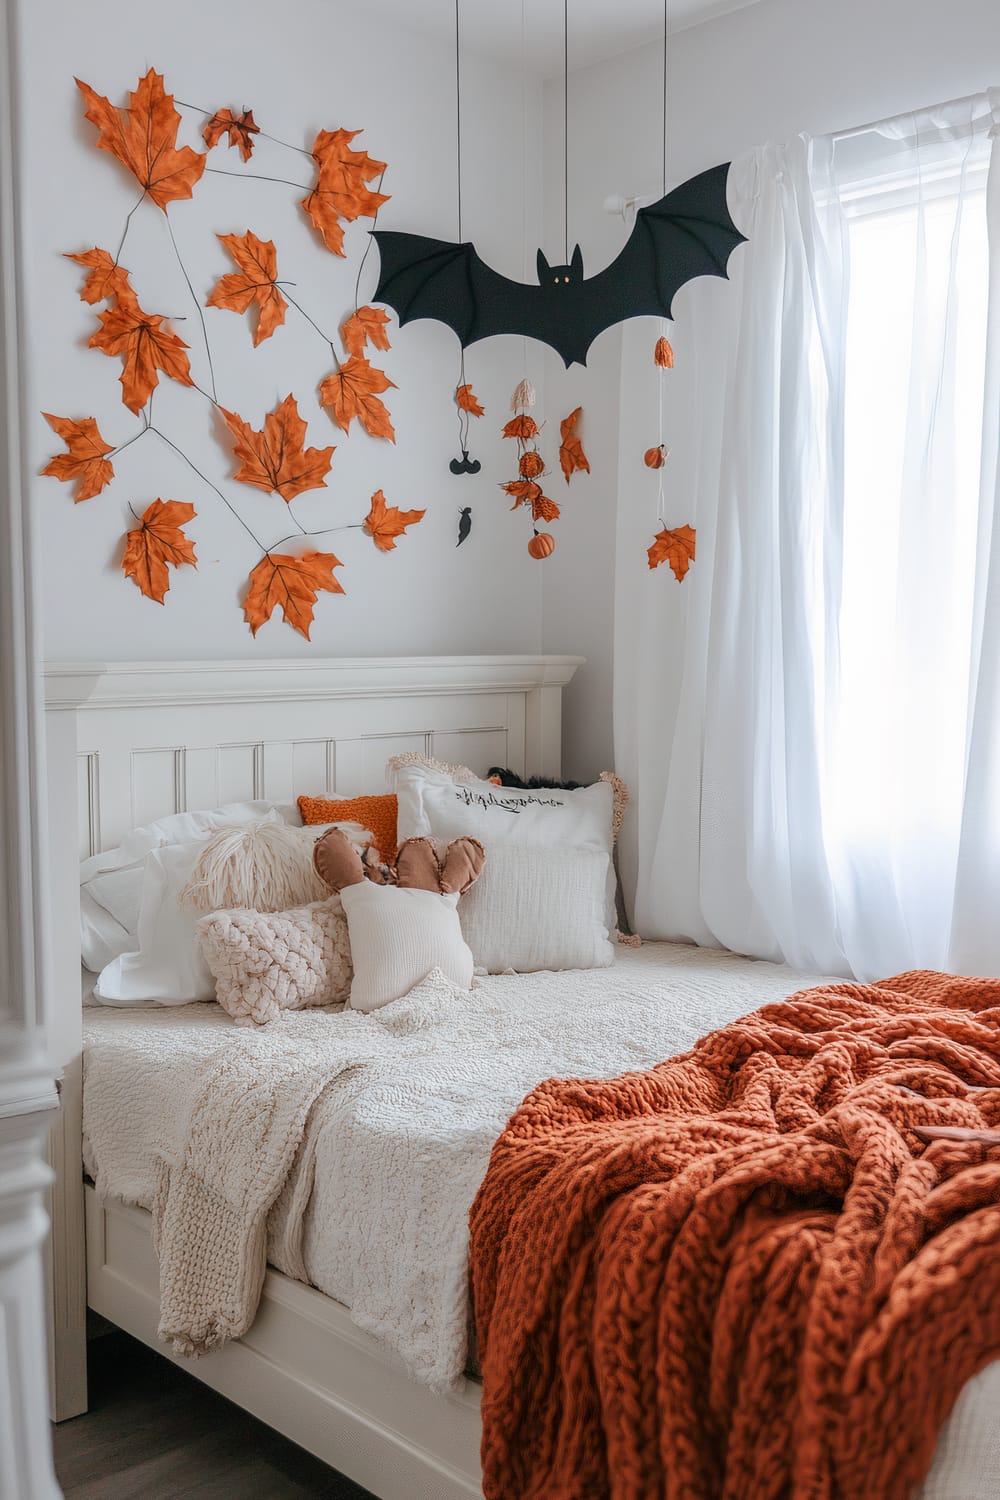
x: 566, y: 278
x: 556, y: 280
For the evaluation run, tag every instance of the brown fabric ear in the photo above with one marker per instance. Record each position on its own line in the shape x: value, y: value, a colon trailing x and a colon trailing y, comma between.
x: 423, y: 865
x: 337, y: 861
x: 463, y: 864
x: 417, y: 865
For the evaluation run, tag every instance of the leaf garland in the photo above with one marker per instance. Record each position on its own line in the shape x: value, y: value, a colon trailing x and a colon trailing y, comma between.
x: 525, y: 490
x: 240, y: 129
x: 143, y: 137
x: 384, y: 523
x: 673, y: 547
x: 341, y: 191
x: 254, y: 283
x: 155, y: 542
x: 275, y: 458
x: 291, y: 584
x: 354, y: 391
x: 85, y: 460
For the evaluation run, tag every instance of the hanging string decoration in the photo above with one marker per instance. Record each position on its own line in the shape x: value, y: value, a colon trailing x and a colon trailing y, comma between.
x: 673, y: 546
x: 526, y: 489
x: 273, y: 457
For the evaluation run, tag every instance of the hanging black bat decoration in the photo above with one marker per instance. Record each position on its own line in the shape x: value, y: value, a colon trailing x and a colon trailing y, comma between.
x: 465, y: 464
x: 464, y: 524
x: 686, y: 234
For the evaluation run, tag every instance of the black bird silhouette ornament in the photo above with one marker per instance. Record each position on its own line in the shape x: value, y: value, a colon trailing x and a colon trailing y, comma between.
x: 464, y: 524
x: 687, y: 233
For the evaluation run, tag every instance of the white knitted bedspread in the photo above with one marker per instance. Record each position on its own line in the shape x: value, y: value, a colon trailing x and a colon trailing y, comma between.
x: 363, y: 1140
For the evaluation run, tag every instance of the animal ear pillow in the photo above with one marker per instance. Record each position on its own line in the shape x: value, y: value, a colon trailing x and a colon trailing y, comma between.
x: 402, y: 919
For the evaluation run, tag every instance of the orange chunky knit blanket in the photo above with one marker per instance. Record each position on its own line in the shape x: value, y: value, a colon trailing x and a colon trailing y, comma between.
x: 762, y: 1269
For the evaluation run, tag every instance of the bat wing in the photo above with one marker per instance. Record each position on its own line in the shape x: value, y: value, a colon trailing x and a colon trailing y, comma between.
x: 425, y: 278
x: 688, y: 233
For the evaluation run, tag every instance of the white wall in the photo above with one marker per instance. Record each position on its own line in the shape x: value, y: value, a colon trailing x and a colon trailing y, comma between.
x: 301, y: 66
x: 765, y: 72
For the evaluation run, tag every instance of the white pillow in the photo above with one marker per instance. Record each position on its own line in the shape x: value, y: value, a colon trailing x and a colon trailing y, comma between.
x: 538, y: 909
x: 168, y: 968
x: 435, y: 804
x: 102, y: 938
x: 113, y: 880
x: 397, y: 937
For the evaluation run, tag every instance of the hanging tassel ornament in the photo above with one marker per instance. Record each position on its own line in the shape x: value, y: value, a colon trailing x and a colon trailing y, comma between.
x: 523, y: 397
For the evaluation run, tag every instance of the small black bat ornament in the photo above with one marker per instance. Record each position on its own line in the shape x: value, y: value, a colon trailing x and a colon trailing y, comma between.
x: 688, y: 233
x: 465, y: 464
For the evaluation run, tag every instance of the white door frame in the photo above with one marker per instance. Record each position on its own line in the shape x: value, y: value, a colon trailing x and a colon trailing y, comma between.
x: 27, y: 1085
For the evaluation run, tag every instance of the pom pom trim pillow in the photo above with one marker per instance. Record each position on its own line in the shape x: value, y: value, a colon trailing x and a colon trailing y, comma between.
x: 446, y: 802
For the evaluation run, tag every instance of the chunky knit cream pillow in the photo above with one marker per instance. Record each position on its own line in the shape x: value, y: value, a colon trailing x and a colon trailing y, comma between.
x: 267, y: 962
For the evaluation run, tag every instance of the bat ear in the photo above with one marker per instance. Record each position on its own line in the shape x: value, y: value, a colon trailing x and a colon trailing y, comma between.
x: 576, y: 264
x: 544, y: 269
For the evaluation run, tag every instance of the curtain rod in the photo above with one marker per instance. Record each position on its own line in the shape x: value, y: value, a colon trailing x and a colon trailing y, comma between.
x: 873, y: 125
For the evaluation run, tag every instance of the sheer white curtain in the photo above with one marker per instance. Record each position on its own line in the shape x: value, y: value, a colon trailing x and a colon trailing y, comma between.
x: 812, y: 719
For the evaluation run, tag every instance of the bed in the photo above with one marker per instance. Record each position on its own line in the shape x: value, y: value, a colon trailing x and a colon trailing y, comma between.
x: 337, y: 1360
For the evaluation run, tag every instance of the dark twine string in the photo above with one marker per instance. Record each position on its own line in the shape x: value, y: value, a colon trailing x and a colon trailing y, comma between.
x: 665, y: 3
x: 194, y: 299
x: 458, y: 117
x: 566, y: 131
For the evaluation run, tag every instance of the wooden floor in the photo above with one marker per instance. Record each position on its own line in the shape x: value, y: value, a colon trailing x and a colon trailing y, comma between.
x: 153, y: 1432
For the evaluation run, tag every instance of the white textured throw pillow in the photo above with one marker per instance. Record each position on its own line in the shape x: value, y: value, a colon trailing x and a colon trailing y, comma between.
x: 397, y: 937
x: 267, y: 962
x: 538, y: 909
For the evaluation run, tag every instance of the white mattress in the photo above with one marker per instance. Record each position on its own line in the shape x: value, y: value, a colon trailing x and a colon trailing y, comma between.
x: 397, y: 1151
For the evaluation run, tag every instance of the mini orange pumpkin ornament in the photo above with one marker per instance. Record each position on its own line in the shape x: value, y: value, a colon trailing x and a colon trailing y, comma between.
x: 542, y: 544
x: 655, y: 458
x: 531, y: 464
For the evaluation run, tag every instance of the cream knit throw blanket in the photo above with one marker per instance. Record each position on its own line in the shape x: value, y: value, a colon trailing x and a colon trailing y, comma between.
x: 252, y: 1103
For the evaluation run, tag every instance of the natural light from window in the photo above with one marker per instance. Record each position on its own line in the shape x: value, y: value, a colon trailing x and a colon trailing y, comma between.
x: 913, y: 428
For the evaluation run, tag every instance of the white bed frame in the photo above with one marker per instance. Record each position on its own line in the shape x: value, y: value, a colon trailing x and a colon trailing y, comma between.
x: 134, y: 741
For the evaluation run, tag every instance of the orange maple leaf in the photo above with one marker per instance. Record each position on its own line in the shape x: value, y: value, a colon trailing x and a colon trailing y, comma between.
x: 353, y: 391
x: 147, y: 344
x: 85, y: 460
x: 291, y: 584
x: 107, y: 280
x: 522, y: 491
x: 144, y: 138
x: 673, y: 547
x: 240, y: 129
x: 468, y: 401
x: 365, y: 326
x: 274, y: 458
x: 254, y: 282
x: 155, y: 542
x: 544, y: 509
x: 384, y: 523
x: 571, y: 454
x: 341, y: 191
x: 522, y: 426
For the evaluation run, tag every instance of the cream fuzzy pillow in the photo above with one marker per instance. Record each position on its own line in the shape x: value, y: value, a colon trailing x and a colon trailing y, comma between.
x: 264, y: 963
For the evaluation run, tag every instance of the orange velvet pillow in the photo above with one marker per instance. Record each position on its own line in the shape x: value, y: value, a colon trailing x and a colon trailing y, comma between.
x: 378, y: 814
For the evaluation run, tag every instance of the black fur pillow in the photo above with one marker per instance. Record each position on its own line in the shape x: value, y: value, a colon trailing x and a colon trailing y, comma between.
x: 532, y: 783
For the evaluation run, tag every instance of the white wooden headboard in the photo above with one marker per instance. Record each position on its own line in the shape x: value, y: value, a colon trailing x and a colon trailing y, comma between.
x: 157, y: 738
x: 130, y: 742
